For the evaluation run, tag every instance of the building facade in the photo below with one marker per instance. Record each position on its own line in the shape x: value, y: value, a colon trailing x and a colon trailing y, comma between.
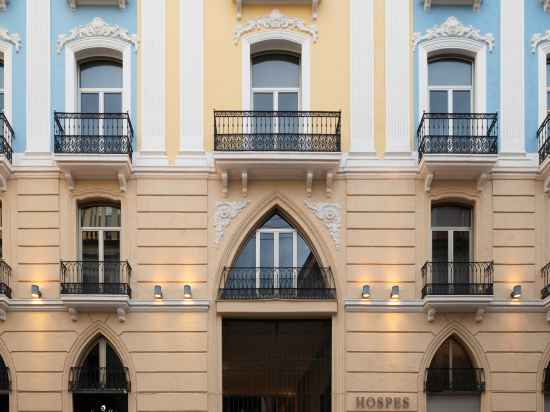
x: 274, y: 205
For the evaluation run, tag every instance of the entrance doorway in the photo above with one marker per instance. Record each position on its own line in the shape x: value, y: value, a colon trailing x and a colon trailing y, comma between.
x: 277, y: 365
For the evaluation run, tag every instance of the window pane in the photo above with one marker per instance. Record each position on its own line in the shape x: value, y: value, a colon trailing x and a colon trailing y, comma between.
x: 439, y: 102
x: 548, y: 101
x: 461, y: 101
x: 450, y: 72
x: 460, y: 358
x: 89, y: 103
x: 111, y: 256
x: 451, y: 216
x: 90, y: 256
x: 263, y: 101
x: 304, y: 253
x: 1, y: 75
x: 286, y: 250
x: 1, y: 102
x: 101, y: 74
x: 547, y: 74
x: 276, y: 222
x: 461, y: 246
x: 113, y: 103
x: 266, y: 250
x: 275, y: 71
x: 440, y: 257
x: 288, y: 101
x: 442, y: 356
x: 100, y: 216
x: 247, y: 257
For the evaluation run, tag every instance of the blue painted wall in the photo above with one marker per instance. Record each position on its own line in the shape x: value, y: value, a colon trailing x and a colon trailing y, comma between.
x: 14, y: 20
x: 487, y: 19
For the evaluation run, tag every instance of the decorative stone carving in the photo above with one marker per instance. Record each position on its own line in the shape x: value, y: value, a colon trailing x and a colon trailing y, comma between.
x: 452, y: 27
x: 12, y: 38
x: 539, y: 38
x: 329, y: 214
x: 225, y: 213
x: 96, y: 28
x: 275, y: 21
x: 545, y: 4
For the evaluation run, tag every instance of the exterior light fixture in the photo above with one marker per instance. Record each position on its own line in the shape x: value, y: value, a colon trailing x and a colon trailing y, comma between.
x: 366, y: 292
x: 187, y: 293
x: 394, y: 292
x: 158, y: 292
x: 35, y: 292
x: 516, y: 292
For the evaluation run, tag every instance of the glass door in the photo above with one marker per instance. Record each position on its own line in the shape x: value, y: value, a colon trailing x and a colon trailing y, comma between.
x: 276, y: 260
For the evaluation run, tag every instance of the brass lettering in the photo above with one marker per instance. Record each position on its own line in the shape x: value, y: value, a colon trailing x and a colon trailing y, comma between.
x: 405, y: 403
x: 397, y: 403
x: 371, y: 402
x: 380, y: 402
x: 388, y: 403
x: 360, y: 402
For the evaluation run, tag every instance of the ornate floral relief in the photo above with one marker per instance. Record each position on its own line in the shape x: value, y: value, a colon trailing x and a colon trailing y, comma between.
x: 539, y: 38
x: 12, y: 38
x: 452, y: 27
x: 275, y: 21
x: 329, y: 214
x: 96, y: 28
x: 225, y: 213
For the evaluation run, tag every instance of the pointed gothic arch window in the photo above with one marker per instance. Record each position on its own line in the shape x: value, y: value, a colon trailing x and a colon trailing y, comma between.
x: 453, y: 383
x: 546, y: 388
x: 100, y: 382
x: 276, y: 261
x: 5, y: 386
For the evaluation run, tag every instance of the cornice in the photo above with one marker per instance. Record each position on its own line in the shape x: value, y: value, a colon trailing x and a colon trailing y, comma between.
x: 12, y: 38
x: 275, y: 21
x: 453, y: 28
x: 97, y: 28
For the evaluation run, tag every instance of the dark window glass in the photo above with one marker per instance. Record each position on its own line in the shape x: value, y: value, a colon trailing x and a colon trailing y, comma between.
x: 275, y: 70
x: 101, y: 75
x: 100, y: 216
x: 451, y: 216
x: 445, y: 72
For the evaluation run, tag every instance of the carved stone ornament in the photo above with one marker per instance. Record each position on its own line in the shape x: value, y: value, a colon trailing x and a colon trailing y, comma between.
x: 12, y: 38
x: 452, y: 27
x: 96, y: 28
x: 329, y: 214
x: 275, y: 21
x: 539, y: 38
x: 225, y: 213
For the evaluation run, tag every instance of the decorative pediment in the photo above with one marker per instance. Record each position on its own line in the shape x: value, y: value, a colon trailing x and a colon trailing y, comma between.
x: 453, y: 28
x: 96, y: 28
x: 12, y: 38
x: 476, y: 4
x: 120, y: 3
x: 539, y: 38
x: 275, y: 21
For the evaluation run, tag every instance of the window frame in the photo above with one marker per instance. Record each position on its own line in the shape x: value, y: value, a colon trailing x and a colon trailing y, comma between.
x: 6, y: 56
x: 101, y: 91
x: 451, y: 230
x: 451, y: 88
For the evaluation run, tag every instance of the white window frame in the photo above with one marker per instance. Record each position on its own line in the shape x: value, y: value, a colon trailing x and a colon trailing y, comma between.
x: 6, y: 50
x: 305, y: 64
x: 451, y: 88
x: 543, y: 51
x: 276, y: 232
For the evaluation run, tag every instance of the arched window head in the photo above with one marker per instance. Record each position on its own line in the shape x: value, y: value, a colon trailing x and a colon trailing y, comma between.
x: 100, y: 216
x: 450, y: 83
x: 451, y: 354
x: 100, y: 86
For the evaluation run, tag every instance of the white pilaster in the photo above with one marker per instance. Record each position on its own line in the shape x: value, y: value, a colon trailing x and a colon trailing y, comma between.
x: 362, y: 76
x: 38, y: 47
x: 191, y: 84
x: 398, y: 66
x: 511, y: 116
x: 152, y: 83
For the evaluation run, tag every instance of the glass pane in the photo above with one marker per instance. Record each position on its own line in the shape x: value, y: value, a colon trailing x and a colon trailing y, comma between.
x: 461, y: 253
x: 90, y: 256
x: 276, y: 222
x: 247, y: 257
x: 451, y: 216
x: 439, y: 102
x: 263, y: 101
x: 442, y: 357
x: 288, y: 101
x: 288, y: 124
x: 286, y: 261
x: 1, y: 75
x: 1, y: 102
x: 112, y: 103
x: 305, y: 257
x: 548, y: 101
x: 1, y: 249
x: 89, y: 102
x: 440, y: 257
x: 111, y: 256
x: 450, y: 72
x: 100, y: 216
x: 101, y: 74
x: 112, y: 359
x: 266, y: 250
x: 92, y: 359
x: 460, y: 358
x: 462, y: 101
x: 547, y: 74
x: 275, y: 71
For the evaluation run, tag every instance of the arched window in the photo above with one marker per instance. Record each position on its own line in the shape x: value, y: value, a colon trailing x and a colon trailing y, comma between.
x: 100, y: 382
x: 546, y: 388
x: 452, y: 381
x: 100, y: 86
x: 450, y: 82
x: 276, y: 261
x: 5, y: 386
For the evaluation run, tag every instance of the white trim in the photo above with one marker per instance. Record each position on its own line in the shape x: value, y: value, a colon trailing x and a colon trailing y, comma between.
x: 478, y: 49
x: 7, y: 56
x: 512, y: 80
x: 39, y: 62
x: 192, y: 81
x: 543, y: 52
x: 305, y: 63
x: 362, y: 77
x: 397, y: 78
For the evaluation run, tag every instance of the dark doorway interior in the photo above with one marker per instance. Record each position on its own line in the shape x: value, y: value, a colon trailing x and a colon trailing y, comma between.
x: 4, y: 402
x: 277, y: 365
x: 100, y: 402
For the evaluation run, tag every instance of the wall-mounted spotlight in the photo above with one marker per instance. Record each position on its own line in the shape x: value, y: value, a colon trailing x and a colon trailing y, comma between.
x: 394, y: 292
x: 158, y: 292
x: 366, y: 292
x: 187, y: 293
x: 516, y: 292
x: 35, y: 292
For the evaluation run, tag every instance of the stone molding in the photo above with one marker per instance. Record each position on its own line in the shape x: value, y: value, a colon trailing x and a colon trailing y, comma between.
x: 12, y: 38
x: 225, y: 213
x: 329, y: 214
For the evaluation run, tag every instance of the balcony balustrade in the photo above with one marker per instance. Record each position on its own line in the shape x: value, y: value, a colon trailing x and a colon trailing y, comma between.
x: 99, y: 380
x: 455, y: 380
x: 305, y: 283
x: 545, y: 272
x: 5, y: 279
x: 95, y: 278
x: 6, y: 137
x: 543, y: 139
x: 457, y: 278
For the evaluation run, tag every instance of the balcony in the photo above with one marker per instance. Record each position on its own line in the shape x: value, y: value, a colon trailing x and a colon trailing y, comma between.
x: 286, y: 285
x: 93, y: 146
x: 462, y: 380
x: 96, y: 285
x: 457, y: 146
x: 99, y: 380
x: 543, y: 139
x: 5, y: 381
x: 457, y: 287
x: 7, y: 136
x: 272, y: 144
x: 545, y: 272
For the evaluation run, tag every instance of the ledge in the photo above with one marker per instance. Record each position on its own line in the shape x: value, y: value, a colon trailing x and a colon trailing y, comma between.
x: 290, y: 308
x: 314, y: 5
x: 475, y: 4
x: 73, y: 4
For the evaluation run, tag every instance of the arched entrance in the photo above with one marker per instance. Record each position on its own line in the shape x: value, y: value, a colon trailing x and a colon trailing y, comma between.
x: 5, y: 386
x: 100, y: 383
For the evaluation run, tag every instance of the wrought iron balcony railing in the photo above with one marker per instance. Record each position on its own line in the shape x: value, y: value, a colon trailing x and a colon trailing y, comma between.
x: 95, y: 278
x: 5, y: 279
x: 457, y: 278
x: 454, y: 380
x: 99, y: 380
x: 277, y: 131
x: 545, y: 272
x: 312, y: 283
x: 93, y: 133
x: 543, y: 139
x: 6, y: 137
x: 457, y: 133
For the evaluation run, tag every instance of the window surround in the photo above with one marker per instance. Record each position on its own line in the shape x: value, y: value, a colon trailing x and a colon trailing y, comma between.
x: 471, y: 49
x: 543, y: 52
x: 85, y: 46
x: 6, y: 56
x: 305, y: 63
x: 453, y: 229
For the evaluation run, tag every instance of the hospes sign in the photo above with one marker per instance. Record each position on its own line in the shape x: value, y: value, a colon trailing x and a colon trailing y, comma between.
x: 365, y: 403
